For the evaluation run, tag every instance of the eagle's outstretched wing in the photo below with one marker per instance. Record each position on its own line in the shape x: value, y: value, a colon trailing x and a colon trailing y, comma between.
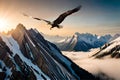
x: 37, y: 18
x: 42, y: 20
x: 48, y: 22
x: 65, y: 14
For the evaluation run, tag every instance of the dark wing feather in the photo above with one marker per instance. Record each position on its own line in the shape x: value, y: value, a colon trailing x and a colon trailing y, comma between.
x: 47, y: 21
x: 64, y: 15
x: 43, y: 20
x: 37, y: 18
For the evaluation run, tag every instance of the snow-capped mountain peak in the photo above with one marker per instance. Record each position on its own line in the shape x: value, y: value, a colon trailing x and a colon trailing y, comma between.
x: 26, y: 55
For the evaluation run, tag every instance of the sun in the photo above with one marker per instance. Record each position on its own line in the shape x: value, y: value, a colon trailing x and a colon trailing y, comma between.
x: 3, y: 24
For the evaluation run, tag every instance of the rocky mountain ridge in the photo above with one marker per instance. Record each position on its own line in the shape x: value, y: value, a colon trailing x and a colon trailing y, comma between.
x: 26, y: 55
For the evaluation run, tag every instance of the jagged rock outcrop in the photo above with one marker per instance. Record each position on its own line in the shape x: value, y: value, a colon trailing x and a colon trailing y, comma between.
x: 111, y: 49
x: 26, y: 55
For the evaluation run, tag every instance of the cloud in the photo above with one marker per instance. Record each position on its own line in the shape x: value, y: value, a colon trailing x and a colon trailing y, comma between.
x: 108, y: 66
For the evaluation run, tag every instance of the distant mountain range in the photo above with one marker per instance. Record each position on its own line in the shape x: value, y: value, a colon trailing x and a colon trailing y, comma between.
x: 26, y: 55
x: 82, y: 42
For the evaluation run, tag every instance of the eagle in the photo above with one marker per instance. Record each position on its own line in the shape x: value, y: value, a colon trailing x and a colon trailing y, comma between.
x: 60, y: 19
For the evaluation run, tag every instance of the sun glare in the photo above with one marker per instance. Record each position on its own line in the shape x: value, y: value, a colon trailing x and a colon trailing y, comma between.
x: 3, y: 25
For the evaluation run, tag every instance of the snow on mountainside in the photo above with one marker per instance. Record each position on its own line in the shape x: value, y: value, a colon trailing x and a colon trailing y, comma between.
x: 103, y: 63
x: 111, y: 49
x: 26, y: 55
x: 82, y: 42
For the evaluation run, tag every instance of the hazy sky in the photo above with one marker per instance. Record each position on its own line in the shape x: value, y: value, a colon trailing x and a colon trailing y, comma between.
x: 96, y: 16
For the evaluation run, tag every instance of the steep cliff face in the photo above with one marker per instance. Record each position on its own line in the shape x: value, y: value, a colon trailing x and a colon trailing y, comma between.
x: 26, y: 55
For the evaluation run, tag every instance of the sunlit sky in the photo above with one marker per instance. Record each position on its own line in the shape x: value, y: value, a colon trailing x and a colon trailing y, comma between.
x: 96, y: 16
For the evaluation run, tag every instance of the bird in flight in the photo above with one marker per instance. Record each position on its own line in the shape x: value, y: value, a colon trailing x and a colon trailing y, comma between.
x: 56, y: 23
